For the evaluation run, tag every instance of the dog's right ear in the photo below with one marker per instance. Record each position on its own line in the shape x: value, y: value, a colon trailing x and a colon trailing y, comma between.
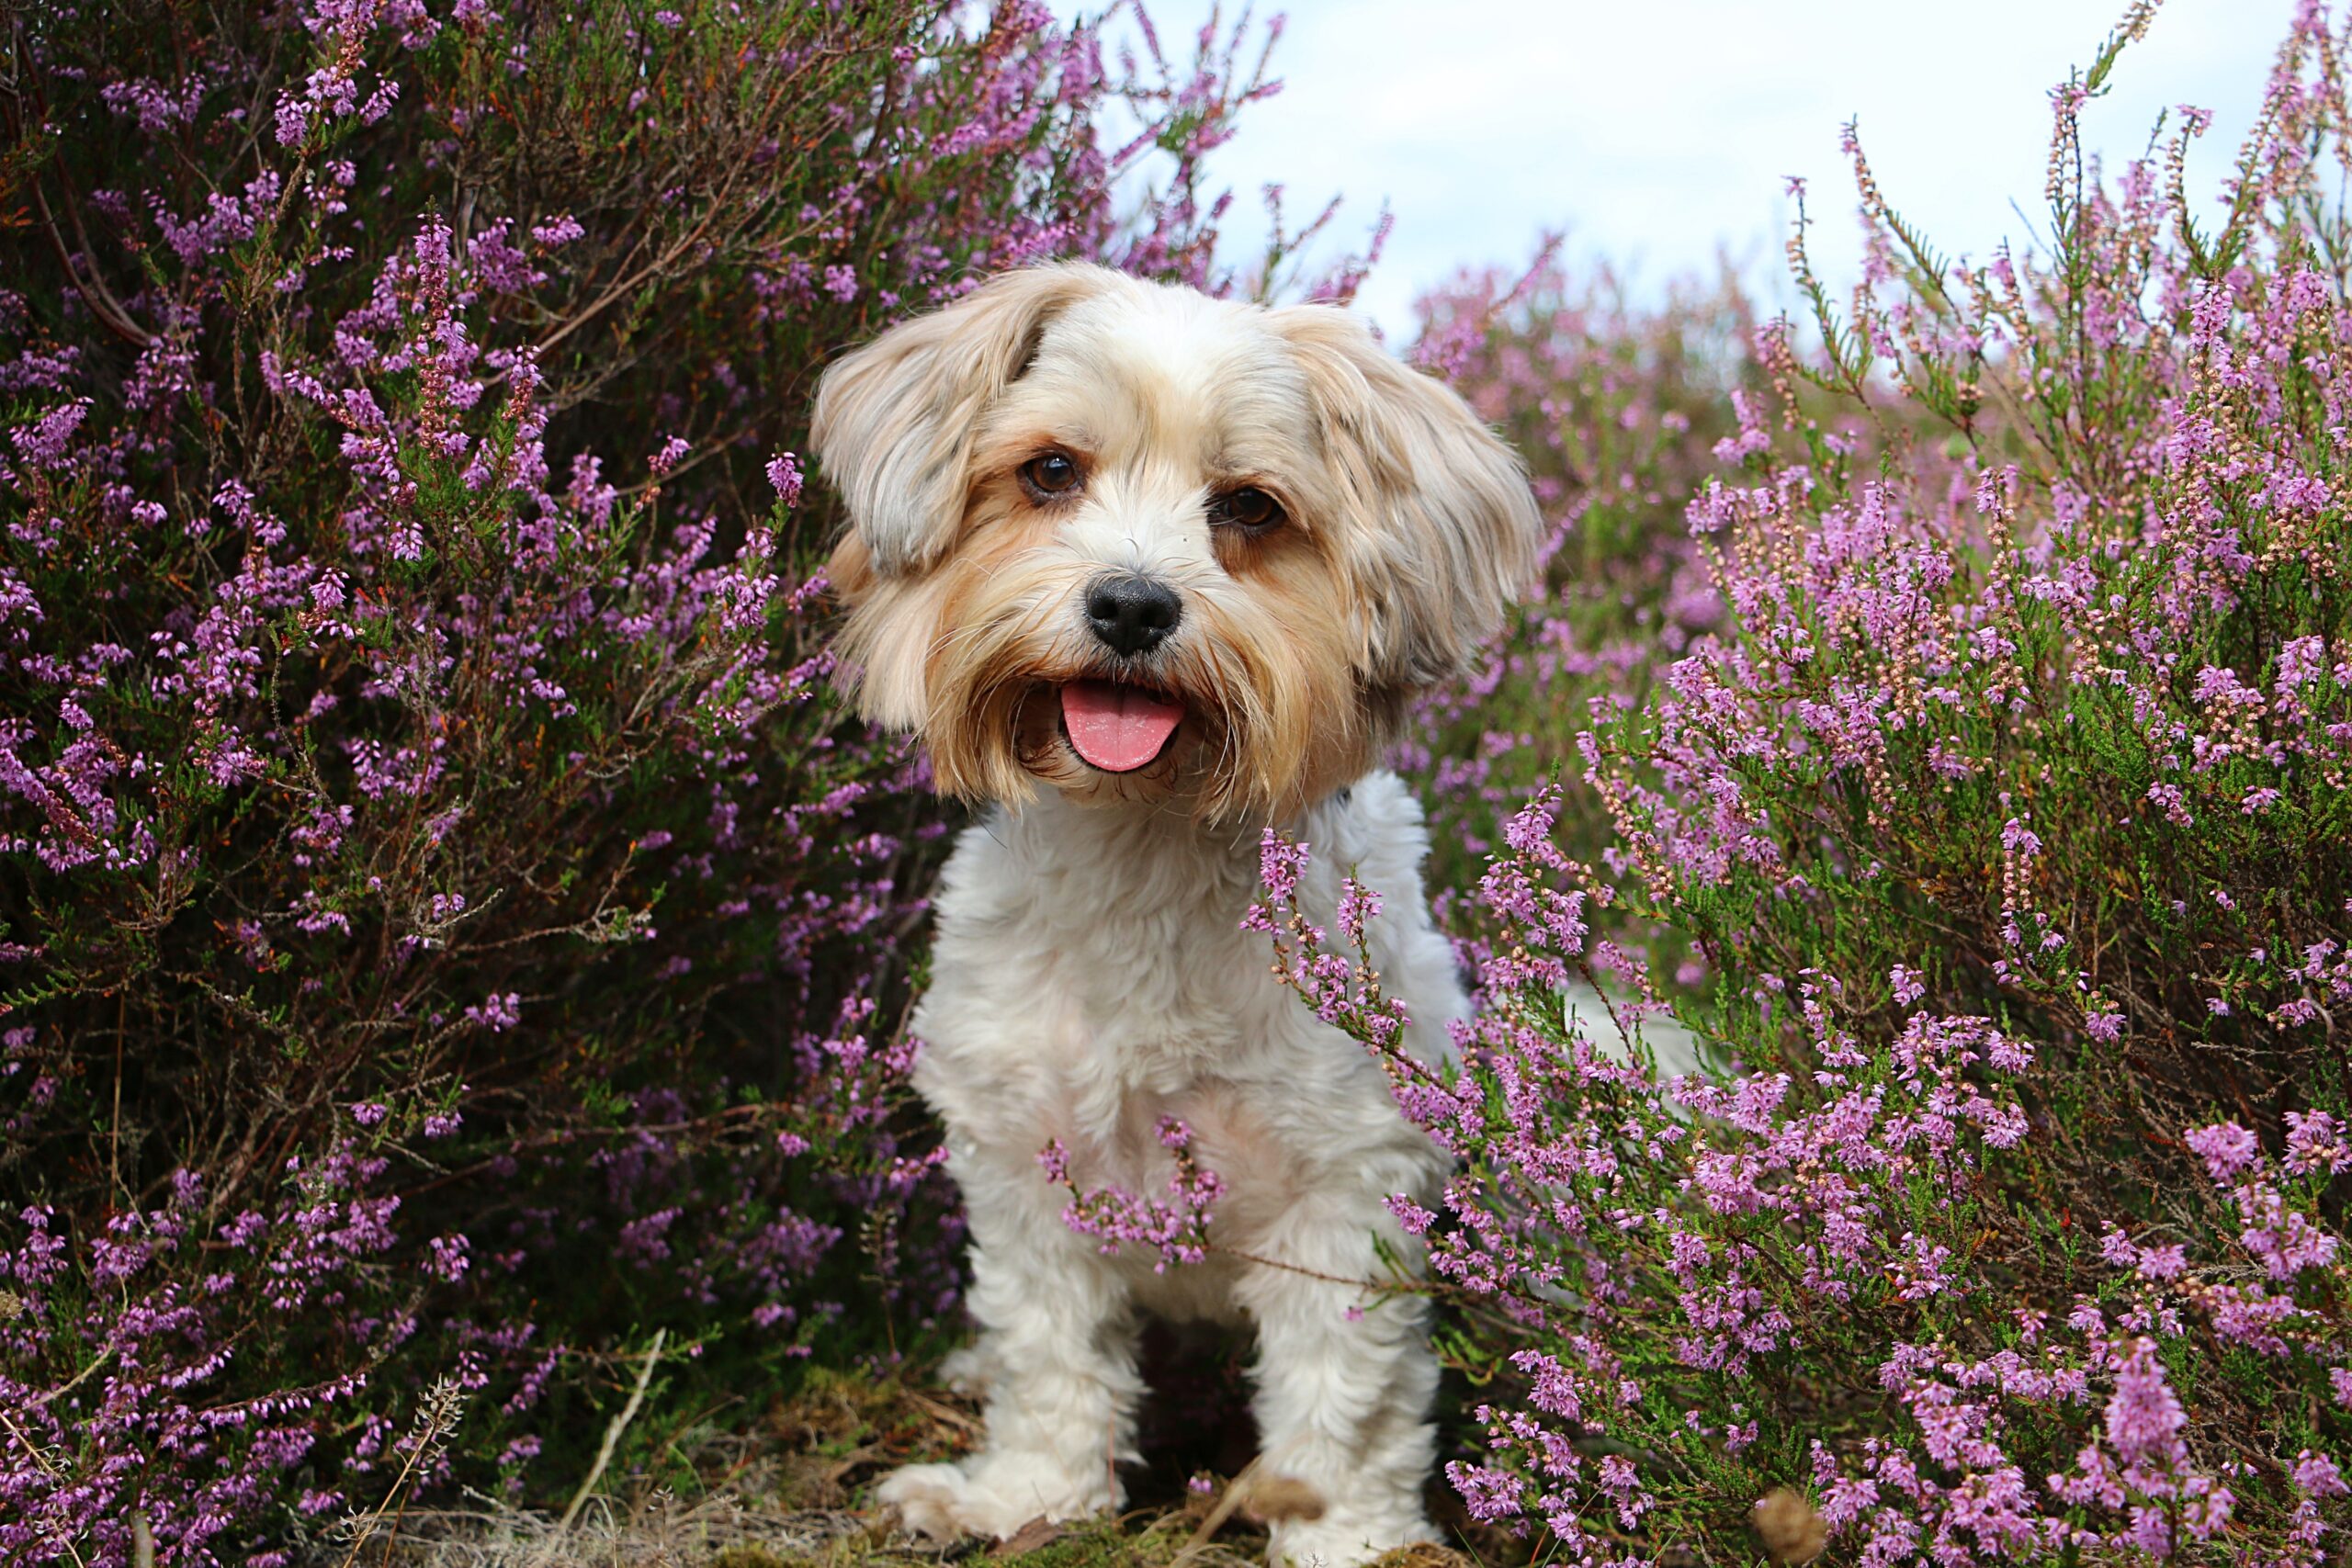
x: 894, y: 422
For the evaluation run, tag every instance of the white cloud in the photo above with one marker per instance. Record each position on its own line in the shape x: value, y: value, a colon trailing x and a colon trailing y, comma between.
x: 1656, y: 133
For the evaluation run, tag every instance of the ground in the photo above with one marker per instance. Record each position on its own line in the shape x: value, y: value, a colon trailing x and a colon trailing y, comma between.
x: 797, y: 1494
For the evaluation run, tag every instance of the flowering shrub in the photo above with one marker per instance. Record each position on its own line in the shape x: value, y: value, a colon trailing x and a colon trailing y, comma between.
x: 1985, y: 754
x: 447, y: 930
x: 1614, y: 407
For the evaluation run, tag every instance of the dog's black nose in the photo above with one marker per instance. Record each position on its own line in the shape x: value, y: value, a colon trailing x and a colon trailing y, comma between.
x: 1133, y: 614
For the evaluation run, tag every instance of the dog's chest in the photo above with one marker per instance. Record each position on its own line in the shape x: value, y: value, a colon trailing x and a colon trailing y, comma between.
x: 1090, y: 977
x: 1054, y: 972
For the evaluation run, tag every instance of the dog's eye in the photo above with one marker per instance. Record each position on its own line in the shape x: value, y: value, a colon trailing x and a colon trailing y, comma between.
x: 1248, y: 509
x: 1050, y: 474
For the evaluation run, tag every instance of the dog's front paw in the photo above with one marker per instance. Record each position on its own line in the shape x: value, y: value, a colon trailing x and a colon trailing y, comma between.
x: 992, y: 1494
x: 927, y: 1498
x: 1342, y: 1541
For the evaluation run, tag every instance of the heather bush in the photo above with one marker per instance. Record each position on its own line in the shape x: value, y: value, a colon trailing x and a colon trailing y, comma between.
x: 1614, y: 405
x: 451, y: 944
x: 1989, y: 758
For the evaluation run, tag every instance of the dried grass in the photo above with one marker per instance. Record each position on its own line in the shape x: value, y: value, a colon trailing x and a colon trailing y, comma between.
x: 793, y: 1495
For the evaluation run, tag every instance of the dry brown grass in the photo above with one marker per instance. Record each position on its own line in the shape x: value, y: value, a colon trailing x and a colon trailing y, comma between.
x: 791, y: 1494
x: 795, y: 1494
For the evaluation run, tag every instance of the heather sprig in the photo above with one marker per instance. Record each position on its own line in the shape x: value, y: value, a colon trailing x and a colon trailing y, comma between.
x: 1176, y: 1226
x: 1341, y: 987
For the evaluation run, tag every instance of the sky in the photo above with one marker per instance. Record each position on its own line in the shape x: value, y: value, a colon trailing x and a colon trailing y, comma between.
x: 1657, y: 133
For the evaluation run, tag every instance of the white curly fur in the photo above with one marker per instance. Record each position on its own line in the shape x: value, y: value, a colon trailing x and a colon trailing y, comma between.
x: 1067, y: 1003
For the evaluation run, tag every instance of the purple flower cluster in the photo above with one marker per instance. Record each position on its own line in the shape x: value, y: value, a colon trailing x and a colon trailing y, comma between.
x: 149, y: 1354
x: 1328, y: 982
x: 1176, y: 1226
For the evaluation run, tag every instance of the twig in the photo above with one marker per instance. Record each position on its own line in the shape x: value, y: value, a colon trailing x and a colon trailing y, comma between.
x: 114, y: 1126
x: 94, y: 290
x: 1234, y: 1492
x: 34, y: 1450
x: 612, y: 1438
x: 76, y: 1381
x: 432, y: 1419
x: 1403, y: 1286
x: 940, y: 1410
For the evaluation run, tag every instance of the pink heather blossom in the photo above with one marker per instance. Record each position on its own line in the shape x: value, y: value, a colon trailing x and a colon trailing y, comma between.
x: 2226, y: 1148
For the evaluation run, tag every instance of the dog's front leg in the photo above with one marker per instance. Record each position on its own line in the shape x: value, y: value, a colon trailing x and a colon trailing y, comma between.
x: 1056, y: 1352
x: 1346, y: 1378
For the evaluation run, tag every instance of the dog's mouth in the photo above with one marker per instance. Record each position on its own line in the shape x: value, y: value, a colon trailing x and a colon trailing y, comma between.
x: 1115, y: 726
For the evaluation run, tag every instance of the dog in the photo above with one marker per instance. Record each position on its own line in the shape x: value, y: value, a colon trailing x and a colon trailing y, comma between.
x: 1148, y: 572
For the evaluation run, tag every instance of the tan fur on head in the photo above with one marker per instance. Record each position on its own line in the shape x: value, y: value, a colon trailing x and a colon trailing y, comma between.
x: 1452, y: 528
x: 895, y: 420
x: 1406, y: 529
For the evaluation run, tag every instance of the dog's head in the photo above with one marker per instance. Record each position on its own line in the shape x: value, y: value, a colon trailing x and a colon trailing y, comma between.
x: 1144, y: 545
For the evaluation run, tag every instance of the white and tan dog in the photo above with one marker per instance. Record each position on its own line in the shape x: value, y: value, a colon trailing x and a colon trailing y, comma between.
x: 1148, y: 571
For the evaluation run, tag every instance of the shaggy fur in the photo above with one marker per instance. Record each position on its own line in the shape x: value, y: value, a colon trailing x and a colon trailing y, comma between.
x: 1090, y: 974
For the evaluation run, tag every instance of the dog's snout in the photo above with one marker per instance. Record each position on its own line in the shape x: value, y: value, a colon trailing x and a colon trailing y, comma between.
x: 1132, y: 614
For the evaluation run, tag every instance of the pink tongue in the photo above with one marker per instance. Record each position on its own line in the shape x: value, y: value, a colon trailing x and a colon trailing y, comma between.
x: 1116, y: 728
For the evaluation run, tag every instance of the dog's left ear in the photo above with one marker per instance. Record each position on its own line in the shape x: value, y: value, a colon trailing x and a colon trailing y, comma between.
x: 894, y: 419
x: 1446, y: 531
